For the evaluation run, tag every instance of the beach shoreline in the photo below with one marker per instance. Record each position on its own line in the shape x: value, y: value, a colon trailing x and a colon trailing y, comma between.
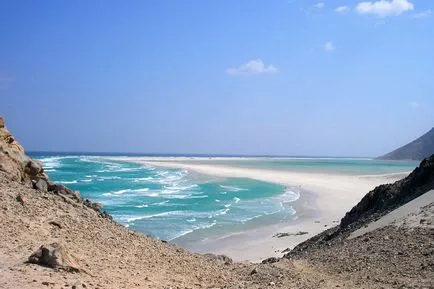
x: 325, y: 199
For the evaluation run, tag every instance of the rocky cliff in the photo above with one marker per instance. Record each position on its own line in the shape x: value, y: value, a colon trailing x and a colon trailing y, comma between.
x: 388, y: 197
x: 374, y: 205
x: 418, y: 149
x: 15, y: 163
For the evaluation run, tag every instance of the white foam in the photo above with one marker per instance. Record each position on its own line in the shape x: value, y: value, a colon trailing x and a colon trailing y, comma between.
x: 160, y: 203
x: 120, y: 192
x: 222, y: 212
x: 233, y: 189
x: 236, y: 200
x: 143, y: 179
x: 86, y: 180
x: 289, y: 196
x: 142, y: 206
x: 164, y: 214
x: 68, y: 182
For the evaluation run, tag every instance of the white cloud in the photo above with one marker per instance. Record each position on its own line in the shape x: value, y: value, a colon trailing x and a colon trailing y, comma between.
x: 319, y: 5
x: 384, y: 8
x: 413, y: 104
x: 421, y: 15
x: 254, y: 66
x: 342, y: 9
x: 329, y: 46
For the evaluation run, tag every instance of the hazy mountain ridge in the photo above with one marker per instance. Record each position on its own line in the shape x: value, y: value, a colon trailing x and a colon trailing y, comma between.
x: 418, y: 149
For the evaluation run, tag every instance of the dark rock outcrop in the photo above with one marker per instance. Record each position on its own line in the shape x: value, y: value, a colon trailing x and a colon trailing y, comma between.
x: 418, y: 149
x: 20, y: 167
x: 223, y: 258
x: 41, y: 185
x: 54, y: 255
x: 386, y: 198
x: 48, y: 255
x: 373, y: 205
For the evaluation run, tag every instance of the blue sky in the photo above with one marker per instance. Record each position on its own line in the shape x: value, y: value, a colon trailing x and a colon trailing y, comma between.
x: 352, y: 78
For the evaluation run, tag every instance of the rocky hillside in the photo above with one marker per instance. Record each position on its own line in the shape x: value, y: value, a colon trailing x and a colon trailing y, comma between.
x: 418, y: 149
x: 51, y: 238
x: 374, y: 205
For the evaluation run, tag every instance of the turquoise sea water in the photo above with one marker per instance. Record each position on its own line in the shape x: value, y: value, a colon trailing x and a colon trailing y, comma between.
x: 174, y: 203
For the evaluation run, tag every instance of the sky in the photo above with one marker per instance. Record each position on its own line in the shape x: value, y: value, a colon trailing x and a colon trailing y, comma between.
x: 281, y: 77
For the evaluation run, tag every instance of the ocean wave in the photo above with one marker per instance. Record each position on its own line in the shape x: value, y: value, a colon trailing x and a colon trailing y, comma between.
x: 236, y: 200
x: 108, y: 178
x: 130, y: 219
x: 221, y: 212
x: 244, y: 220
x: 178, y: 188
x: 136, y: 180
x: 68, y: 182
x: 51, y: 162
x: 86, y: 180
x: 121, y: 192
x: 160, y: 203
x: 142, y: 206
x: 233, y: 189
x: 191, y: 230
x: 289, y: 196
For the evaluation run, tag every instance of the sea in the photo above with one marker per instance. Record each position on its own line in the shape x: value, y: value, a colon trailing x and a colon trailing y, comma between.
x: 178, y: 205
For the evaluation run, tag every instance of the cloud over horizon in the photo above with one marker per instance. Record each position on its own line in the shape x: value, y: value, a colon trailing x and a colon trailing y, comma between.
x: 342, y: 9
x: 384, y: 8
x: 254, y: 66
x: 329, y: 46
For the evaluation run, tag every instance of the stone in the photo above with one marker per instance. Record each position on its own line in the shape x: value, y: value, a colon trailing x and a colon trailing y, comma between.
x: 223, y: 258
x: 270, y: 260
x: 41, y: 185
x: 51, y: 186
x: 254, y: 271
x: 67, y: 192
x: 20, y: 199
x: 2, y: 122
x: 33, y: 168
x: 56, y: 224
x: 48, y: 255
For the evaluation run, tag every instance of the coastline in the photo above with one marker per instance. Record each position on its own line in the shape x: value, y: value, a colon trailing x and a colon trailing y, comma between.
x: 325, y: 199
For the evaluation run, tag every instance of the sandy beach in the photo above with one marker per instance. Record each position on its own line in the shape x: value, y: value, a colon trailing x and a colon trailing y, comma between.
x: 325, y: 200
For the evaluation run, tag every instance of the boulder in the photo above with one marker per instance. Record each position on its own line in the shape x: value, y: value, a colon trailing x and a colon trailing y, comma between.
x: 2, y: 122
x: 66, y: 192
x: 48, y: 255
x: 56, y: 256
x: 51, y: 186
x: 223, y: 258
x: 41, y: 185
x: 33, y: 168
x: 270, y: 260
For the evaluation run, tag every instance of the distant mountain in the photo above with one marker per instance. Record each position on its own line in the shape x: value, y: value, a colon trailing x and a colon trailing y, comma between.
x: 418, y: 149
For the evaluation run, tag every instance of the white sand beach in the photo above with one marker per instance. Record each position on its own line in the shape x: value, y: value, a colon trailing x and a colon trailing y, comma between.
x: 327, y: 199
